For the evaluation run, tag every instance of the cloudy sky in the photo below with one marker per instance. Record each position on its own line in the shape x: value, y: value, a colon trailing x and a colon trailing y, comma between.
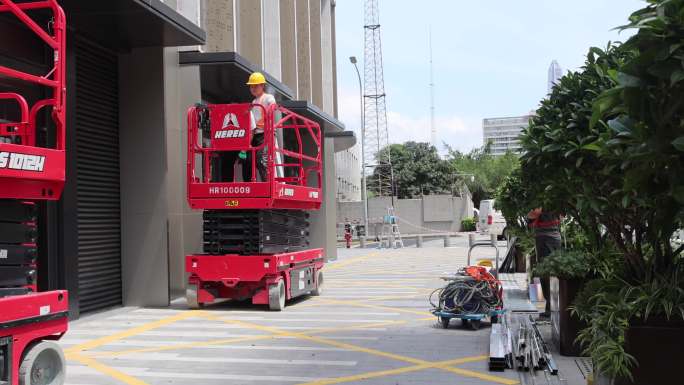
x: 490, y: 58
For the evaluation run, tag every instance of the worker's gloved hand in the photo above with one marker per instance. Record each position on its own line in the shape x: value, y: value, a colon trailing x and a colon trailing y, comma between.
x: 242, y: 155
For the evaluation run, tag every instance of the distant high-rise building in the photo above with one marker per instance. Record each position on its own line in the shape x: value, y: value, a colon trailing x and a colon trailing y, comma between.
x: 555, y: 73
x: 503, y: 133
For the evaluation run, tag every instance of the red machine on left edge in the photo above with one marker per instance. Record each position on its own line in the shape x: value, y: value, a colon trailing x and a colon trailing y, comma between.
x: 32, y: 169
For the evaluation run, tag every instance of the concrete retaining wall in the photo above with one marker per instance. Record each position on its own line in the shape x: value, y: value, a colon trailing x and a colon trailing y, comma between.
x: 431, y: 214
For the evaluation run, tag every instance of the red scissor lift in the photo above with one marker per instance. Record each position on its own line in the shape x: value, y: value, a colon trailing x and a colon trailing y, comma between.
x: 30, y: 171
x: 255, y: 226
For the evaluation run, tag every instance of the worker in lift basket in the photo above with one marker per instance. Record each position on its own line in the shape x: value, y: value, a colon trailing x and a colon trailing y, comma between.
x: 257, y: 86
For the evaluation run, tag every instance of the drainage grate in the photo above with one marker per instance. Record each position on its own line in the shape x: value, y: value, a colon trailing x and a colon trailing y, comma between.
x: 585, y: 367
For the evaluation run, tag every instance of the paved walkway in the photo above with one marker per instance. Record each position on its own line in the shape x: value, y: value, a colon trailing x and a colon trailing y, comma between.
x: 371, y: 327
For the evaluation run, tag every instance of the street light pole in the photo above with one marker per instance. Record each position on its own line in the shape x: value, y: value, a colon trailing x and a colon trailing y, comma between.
x: 364, y: 192
x: 472, y: 177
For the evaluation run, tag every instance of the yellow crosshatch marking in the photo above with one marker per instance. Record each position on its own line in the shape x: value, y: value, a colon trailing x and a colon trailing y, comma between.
x: 350, y: 261
x: 131, y: 332
x: 84, y: 354
x: 104, y: 369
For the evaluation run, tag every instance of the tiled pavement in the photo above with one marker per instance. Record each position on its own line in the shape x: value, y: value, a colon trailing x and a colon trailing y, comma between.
x: 371, y: 327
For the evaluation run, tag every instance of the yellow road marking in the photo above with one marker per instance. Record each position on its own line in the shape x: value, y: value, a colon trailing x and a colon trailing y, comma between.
x: 381, y: 307
x: 361, y: 349
x: 134, y: 331
x: 226, y: 341
x: 361, y: 284
x: 481, y: 376
x: 104, y: 369
x: 324, y: 341
x: 391, y: 372
x: 188, y: 345
x: 418, y: 364
x: 393, y: 297
x: 347, y: 262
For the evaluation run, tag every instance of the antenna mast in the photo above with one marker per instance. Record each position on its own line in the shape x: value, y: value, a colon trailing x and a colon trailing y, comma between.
x: 433, y: 128
x: 377, y: 134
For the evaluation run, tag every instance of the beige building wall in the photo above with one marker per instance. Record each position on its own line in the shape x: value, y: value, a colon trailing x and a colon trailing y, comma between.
x: 271, y: 38
x: 182, y: 88
x: 288, y: 44
x: 218, y: 19
x: 315, y: 42
x: 250, y: 42
x: 302, y: 15
x: 328, y: 69
x: 292, y: 40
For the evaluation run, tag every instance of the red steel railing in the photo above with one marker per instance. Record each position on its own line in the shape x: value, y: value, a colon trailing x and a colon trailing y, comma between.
x: 292, y: 146
x: 53, y: 79
x: 26, y: 170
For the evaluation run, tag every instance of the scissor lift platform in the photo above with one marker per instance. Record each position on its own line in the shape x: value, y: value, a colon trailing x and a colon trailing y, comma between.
x: 32, y: 168
x: 266, y: 279
x: 292, y: 148
x: 255, y: 227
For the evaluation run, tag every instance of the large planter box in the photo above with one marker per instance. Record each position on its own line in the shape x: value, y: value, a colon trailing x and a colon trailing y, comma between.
x: 564, y: 325
x: 520, y: 261
x: 658, y: 346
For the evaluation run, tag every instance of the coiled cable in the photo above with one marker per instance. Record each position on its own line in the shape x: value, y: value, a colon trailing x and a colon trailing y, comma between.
x: 464, y: 294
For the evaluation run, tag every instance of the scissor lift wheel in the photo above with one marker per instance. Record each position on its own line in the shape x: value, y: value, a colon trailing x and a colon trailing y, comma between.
x: 43, y: 364
x: 319, y: 285
x: 276, y: 296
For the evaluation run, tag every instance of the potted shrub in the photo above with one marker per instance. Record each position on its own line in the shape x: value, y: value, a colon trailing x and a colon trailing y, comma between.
x: 468, y: 224
x: 636, y: 331
x: 607, y: 147
x: 567, y: 270
x: 637, y: 321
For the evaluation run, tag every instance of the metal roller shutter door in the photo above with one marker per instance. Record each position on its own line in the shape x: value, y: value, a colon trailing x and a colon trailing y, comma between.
x: 98, y: 191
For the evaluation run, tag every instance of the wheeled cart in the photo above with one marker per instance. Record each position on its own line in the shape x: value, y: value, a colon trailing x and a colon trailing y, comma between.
x: 471, y: 295
x: 255, y: 196
x: 265, y: 279
x: 468, y: 320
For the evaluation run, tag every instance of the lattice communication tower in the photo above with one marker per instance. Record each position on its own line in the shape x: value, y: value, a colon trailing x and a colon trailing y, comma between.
x: 375, y: 122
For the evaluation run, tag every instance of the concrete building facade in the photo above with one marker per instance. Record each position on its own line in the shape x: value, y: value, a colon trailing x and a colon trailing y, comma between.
x: 348, y: 175
x: 120, y: 232
x: 502, y: 133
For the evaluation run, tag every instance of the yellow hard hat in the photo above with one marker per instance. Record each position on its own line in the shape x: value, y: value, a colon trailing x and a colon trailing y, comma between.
x: 256, y: 78
x: 485, y: 263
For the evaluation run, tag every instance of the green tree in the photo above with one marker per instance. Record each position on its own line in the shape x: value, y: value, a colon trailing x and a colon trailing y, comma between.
x: 607, y: 148
x: 418, y: 170
x: 560, y: 168
x: 642, y: 119
x: 488, y: 171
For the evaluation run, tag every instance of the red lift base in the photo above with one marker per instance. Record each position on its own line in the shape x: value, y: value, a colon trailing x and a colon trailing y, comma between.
x: 29, y: 325
x: 266, y: 279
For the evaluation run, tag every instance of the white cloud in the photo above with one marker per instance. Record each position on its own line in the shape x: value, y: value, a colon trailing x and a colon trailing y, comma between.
x: 461, y: 133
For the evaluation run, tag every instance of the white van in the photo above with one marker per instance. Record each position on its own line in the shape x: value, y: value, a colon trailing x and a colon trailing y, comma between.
x: 491, y: 221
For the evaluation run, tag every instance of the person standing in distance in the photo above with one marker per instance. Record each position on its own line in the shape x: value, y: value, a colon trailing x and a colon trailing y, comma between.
x: 547, y: 239
x: 257, y: 87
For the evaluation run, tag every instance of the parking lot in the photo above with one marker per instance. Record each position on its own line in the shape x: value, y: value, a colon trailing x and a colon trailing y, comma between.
x: 371, y: 326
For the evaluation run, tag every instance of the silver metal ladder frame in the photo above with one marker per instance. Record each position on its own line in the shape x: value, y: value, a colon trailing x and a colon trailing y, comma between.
x: 491, y: 242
